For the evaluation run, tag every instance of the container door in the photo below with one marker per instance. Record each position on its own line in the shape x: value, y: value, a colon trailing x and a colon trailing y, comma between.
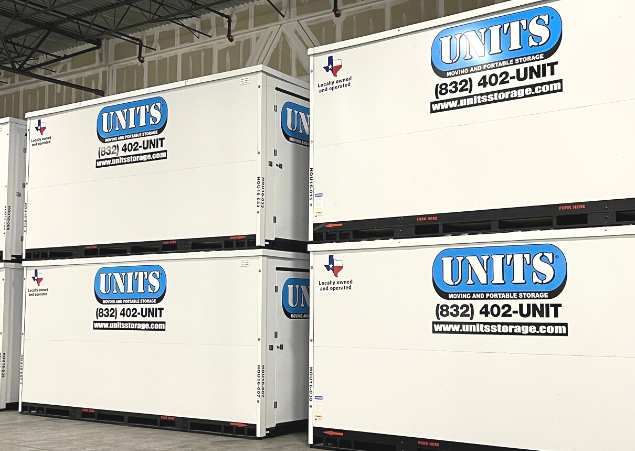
x: 6, y: 140
x: 292, y: 345
x: 14, y: 211
x: 291, y: 160
x: 5, y: 340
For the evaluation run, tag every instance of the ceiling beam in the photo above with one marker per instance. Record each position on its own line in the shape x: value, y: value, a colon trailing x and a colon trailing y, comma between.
x: 39, y: 26
x: 34, y: 49
x: 6, y: 50
x: 70, y: 19
x: 196, y: 8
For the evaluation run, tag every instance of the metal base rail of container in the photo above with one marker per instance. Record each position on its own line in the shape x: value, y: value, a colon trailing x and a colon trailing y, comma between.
x: 543, y: 217
x: 227, y: 428
x: 338, y: 439
x: 162, y: 247
x: 11, y: 258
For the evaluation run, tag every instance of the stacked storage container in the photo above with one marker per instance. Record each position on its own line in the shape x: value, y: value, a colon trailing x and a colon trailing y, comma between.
x: 12, y: 178
x: 167, y: 236
x: 430, y: 327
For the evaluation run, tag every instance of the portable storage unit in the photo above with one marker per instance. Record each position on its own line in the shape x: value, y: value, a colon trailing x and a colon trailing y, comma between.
x: 10, y: 328
x: 12, y: 178
x: 208, y: 341
x: 509, y: 106
x: 521, y: 340
x: 159, y: 169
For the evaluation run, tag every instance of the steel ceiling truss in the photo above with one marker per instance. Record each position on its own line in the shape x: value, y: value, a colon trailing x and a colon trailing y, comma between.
x: 32, y: 28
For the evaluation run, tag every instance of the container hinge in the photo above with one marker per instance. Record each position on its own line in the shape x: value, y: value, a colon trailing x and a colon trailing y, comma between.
x: 275, y: 334
x: 24, y: 150
x: 274, y: 219
x: 276, y: 288
x: 275, y: 404
x: 275, y: 108
x: 275, y: 152
x: 271, y: 347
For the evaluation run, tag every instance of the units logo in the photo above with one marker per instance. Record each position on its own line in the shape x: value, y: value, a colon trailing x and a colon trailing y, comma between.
x: 333, y: 66
x: 537, y: 271
x: 295, y: 123
x: 335, y: 266
x: 40, y: 127
x: 295, y: 298
x: 502, y: 41
x: 130, y: 284
x: 38, y: 277
x: 130, y: 120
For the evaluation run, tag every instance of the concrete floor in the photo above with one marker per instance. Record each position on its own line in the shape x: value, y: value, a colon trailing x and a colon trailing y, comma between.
x: 31, y: 433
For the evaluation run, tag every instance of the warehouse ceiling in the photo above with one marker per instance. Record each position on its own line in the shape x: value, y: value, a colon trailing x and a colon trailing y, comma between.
x: 32, y: 28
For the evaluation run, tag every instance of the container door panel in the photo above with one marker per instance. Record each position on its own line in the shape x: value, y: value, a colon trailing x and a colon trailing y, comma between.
x: 291, y: 160
x: 6, y: 140
x: 292, y: 352
x: 5, y: 340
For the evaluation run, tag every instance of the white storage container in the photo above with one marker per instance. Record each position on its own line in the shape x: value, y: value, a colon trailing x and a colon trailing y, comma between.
x: 12, y: 179
x: 526, y: 112
x: 208, y: 341
x: 10, y: 328
x: 214, y: 157
x: 521, y: 340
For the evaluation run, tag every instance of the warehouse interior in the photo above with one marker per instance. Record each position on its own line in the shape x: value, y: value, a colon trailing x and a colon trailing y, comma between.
x: 180, y: 40
x: 417, y: 273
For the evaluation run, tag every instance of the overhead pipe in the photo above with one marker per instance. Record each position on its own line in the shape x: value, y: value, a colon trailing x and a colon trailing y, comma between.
x: 230, y: 38
x: 25, y: 73
x: 336, y: 11
x: 61, y: 58
x: 139, y: 55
